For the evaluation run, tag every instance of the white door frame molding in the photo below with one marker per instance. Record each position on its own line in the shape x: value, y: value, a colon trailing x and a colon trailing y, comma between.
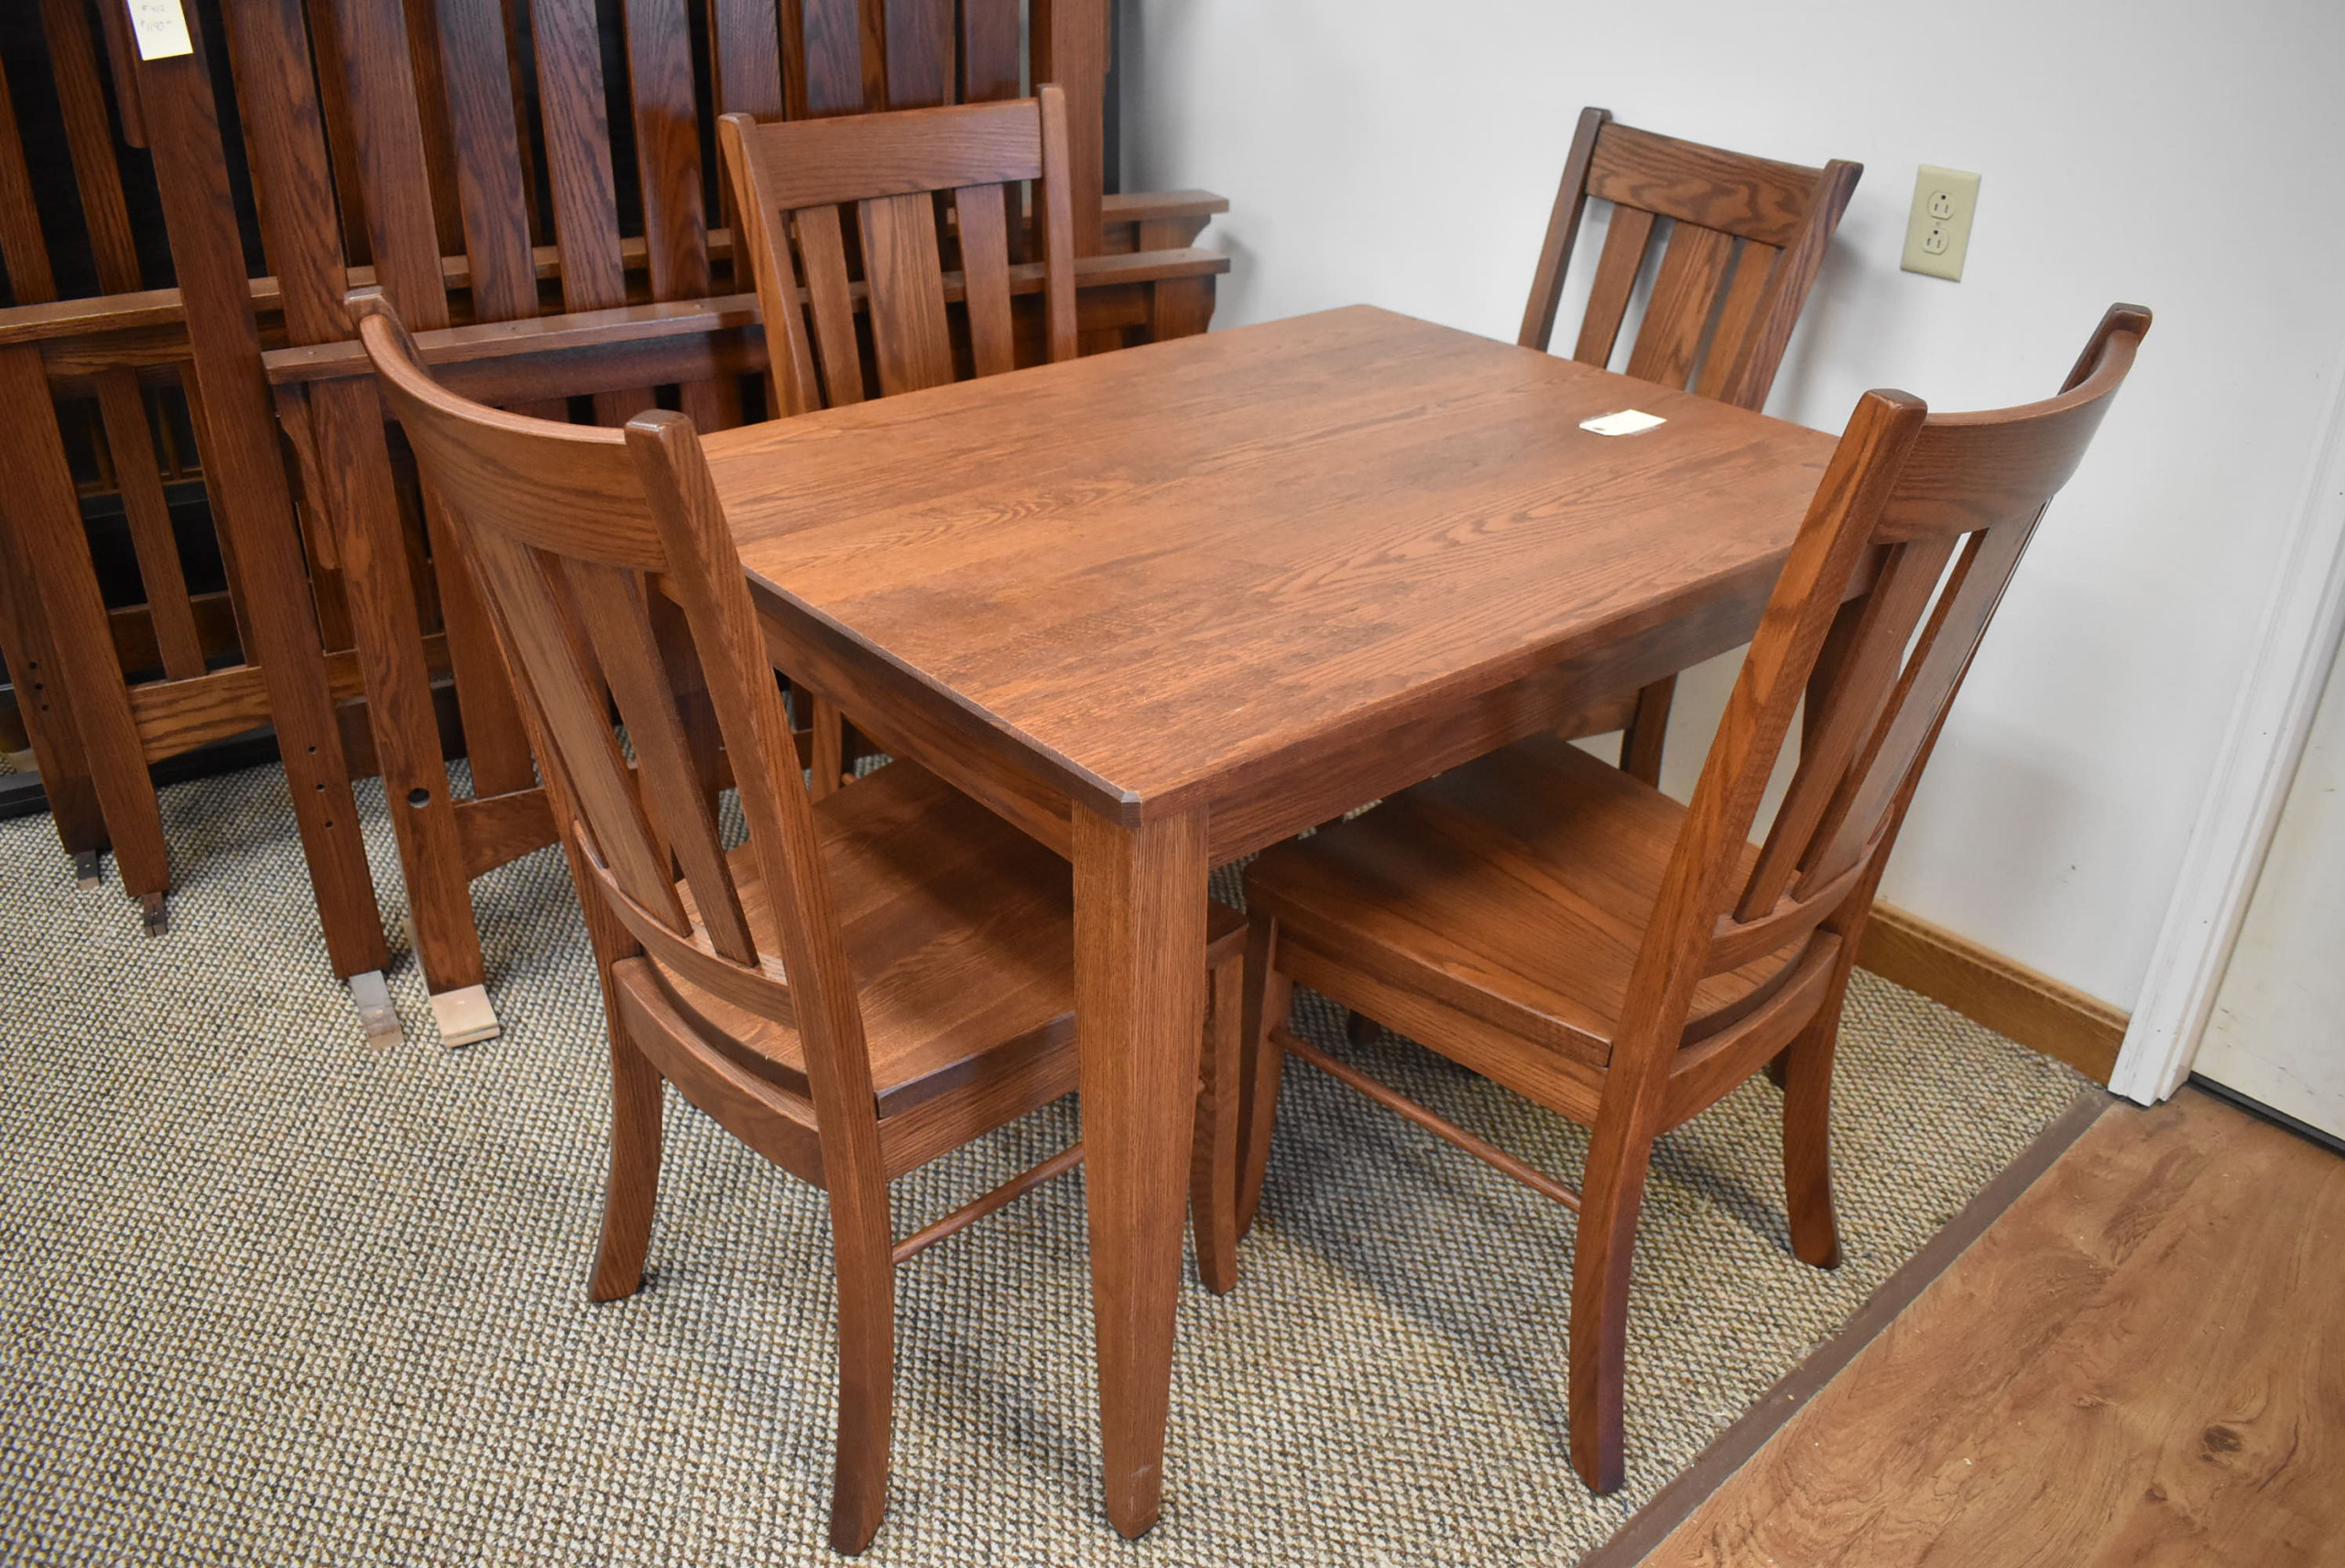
x: 2270, y: 722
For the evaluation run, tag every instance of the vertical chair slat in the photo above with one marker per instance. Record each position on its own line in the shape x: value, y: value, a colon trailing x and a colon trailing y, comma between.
x: 912, y: 345
x: 1616, y: 279
x: 991, y: 41
x: 1692, y: 266
x: 822, y: 245
x: 628, y: 650
x: 985, y: 271
x: 1753, y: 265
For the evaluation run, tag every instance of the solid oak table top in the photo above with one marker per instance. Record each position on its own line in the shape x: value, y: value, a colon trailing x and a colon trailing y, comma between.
x: 1156, y: 572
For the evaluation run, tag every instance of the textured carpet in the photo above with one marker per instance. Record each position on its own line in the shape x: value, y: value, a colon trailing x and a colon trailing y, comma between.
x: 269, y: 1295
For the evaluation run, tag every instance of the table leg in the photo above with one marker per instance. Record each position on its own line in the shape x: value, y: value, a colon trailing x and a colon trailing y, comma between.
x: 1140, y: 985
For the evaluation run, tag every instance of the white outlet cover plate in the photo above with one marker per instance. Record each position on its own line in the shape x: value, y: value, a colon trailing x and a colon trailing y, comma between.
x: 1954, y: 193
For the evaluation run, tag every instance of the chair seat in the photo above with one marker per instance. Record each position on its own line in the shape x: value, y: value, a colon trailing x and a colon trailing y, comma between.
x: 960, y: 932
x: 1514, y: 890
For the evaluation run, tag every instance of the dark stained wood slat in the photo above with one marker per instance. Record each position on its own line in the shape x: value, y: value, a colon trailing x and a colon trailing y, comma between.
x: 1615, y: 279
x: 667, y: 149
x: 832, y: 38
x: 1745, y: 292
x: 378, y: 71
x: 578, y: 144
x: 822, y: 245
x: 495, y: 203
x: 989, y: 50
x: 123, y: 409
x: 992, y: 41
x: 89, y: 135
x: 441, y: 148
x: 921, y: 71
x: 746, y: 39
x: 293, y: 175
x: 1669, y: 338
x: 24, y: 251
x: 984, y: 265
x: 912, y: 349
x: 1069, y: 46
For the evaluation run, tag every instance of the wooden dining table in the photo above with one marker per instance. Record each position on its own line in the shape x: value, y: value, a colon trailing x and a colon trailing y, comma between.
x: 1163, y: 607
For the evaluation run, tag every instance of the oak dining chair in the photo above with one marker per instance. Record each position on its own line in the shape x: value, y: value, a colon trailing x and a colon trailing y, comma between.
x: 870, y: 981
x: 1567, y: 929
x: 1740, y: 238
x: 816, y: 195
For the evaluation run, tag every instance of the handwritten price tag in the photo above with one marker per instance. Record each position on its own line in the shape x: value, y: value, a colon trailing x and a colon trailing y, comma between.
x: 161, y: 29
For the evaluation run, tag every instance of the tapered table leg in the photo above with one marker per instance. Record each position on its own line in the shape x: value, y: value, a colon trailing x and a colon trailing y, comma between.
x: 1139, y: 978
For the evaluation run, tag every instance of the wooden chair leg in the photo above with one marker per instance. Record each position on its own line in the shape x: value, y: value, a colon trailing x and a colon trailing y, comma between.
x: 864, y: 1254
x: 829, y: 761
x: 1269, y: 995
x: 634, y: 1187
x: 1648, y: 727
x: 1215, y: 1158
x: 1600, y: 1328
x: 1808, y: 1141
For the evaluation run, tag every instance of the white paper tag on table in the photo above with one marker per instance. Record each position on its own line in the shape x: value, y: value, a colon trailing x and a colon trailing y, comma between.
x: 1627, y: 422
x: 161, y: 26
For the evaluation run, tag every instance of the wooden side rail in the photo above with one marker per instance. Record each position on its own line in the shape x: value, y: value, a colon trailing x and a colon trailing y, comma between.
x: 1126, y: 217
x: 453, y: 351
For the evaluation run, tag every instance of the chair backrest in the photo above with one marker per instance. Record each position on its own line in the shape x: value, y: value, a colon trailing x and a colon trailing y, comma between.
x: 562, y: 525
x: 1925, y: 515
x: 1745, y: 238
x: 790, y: 180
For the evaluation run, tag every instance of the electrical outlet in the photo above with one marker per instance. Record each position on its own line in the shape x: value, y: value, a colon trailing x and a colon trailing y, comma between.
x: 1937, y: 234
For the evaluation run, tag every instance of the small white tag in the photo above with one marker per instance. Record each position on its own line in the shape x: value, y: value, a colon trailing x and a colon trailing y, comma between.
x: 1627, y: 422
x: 161, y: 29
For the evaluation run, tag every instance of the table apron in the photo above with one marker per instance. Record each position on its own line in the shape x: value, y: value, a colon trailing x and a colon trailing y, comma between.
x: 1259, y: 802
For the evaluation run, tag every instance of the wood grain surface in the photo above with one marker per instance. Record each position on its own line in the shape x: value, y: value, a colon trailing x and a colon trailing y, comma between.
x: 1227, y: 549
x: 2140, y: 1363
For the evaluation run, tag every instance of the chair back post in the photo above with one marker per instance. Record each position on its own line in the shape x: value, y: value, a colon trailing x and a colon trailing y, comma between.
x: 1939, y: 509
x: 564, y: 526
x: 1800, y: 613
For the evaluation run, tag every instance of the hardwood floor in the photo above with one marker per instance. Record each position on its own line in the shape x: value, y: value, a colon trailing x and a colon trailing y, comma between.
x: 2142, y: 1362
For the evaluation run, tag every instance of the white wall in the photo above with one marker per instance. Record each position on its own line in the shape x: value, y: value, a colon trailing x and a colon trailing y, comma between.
x: 2182, y: 155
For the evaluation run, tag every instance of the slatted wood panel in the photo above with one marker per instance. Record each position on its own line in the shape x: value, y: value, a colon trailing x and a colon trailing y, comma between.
x: 461, y: 151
